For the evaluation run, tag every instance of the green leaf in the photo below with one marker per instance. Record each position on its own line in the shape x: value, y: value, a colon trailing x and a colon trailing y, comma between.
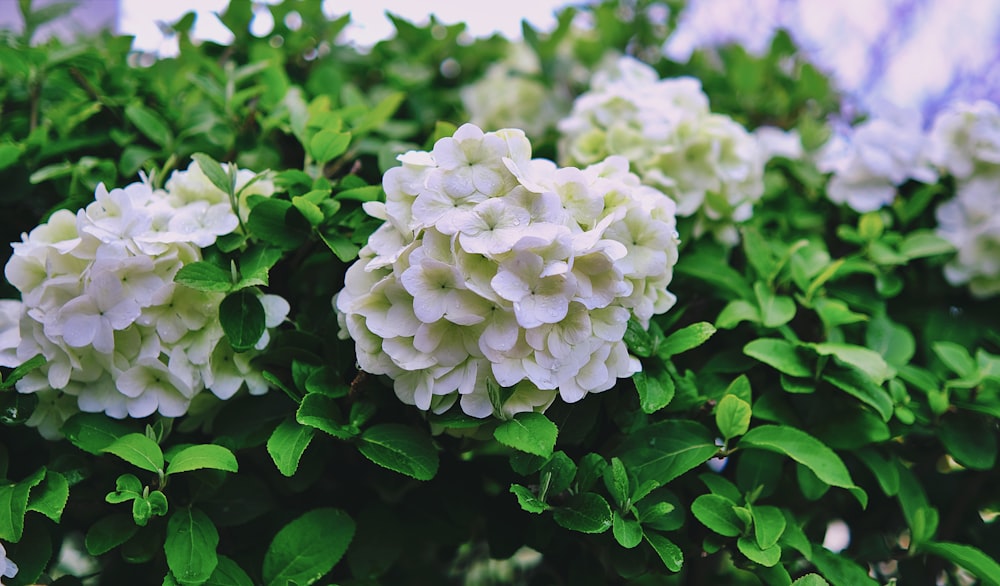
x: 782, y: 355
x: 362, y: 194
x: 277, y: 222
x: 586, y: 512
x: 638, y: 340
x: 138, y: 450
x: 528, y: 432
x: 885, y: 471
x: 735, y: 312
x: 204, y: 276
x: 867, y: 361
x: 671, y: 555
x: 51, y: 496
x: 9, y: 154
x: 560, y: 470
x: 400, y: 448
x: 922, y: 243
x: 339, y: 245
x: 894, y: 342
x: 616, y: 481
x: 203, y: 456
x: 655, y: 392
x: 971, y: 558
x: 14, y: 505
x: 92, y: 432
x: 857, y: 384
x: 775, y: 310
x: 190, y: 546
x: 109, y: 532
x: 716, y: 513
x: 23, y: 369
x: 306, y: 549
x: 242, y: 317
x: 811, y: 580
x: 685, y: 339
x: 803, y: 448
x: 721, y: 486
x: 732, y: 416
x: 840, y: 570
x: 665, y: 450
x: 380, y: 112
x: 527, y: 499
x: 150, y: 124
x: 768, y: 525
x: 214, y: 171
x: 956, y: 357
x: 627, y: 532
x: 970, y: 439
x: 287, y: 444
x: 127, y: 488
x: 228, y: 573
x: 327, y: 145
x: 765, y: 557
x: 321, y: 412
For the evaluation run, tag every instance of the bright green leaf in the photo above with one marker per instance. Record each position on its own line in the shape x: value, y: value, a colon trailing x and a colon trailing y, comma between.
x: 528, y: 432
x: 971, y: 558
x: 585, y: 512
x: 304, y: 550
x: 149, y: 123
x: 190, y: 544
x: 716, y: 513
x: 51, y: 496
x: 685, y: 339
x: 765, y: 557
x: 671, y: 555
x: 327, y: 145
x: 204, y: 276
x: 242, y: 317
x: 768, y: 525
x: 400, y: 448
x: 732, y: 416
x: 228, y: 573
x: 627, y: 532
x: 656, y: 389
x: 779, y: 354
x: 287, y: 443
x: 203, y: 456
x: 803, y: 448
x: 665, y: 450
x: 109, y: 532
x: 527, y: 499
x: 138, y: 450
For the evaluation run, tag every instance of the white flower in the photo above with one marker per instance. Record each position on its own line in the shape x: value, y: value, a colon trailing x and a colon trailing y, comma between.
x: 10, y: 332
x: 971, y: 223
x: 707, y: 163
x: 965, y: 138
x: 8, y: 569
x: 99, y: 302
x: 881, y: 154
x: 495, y: 269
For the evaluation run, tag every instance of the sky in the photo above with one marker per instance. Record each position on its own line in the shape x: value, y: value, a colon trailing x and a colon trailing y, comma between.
x: 883, y: 53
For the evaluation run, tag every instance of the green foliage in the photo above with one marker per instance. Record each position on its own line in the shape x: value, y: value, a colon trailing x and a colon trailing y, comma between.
x: 823, y: 369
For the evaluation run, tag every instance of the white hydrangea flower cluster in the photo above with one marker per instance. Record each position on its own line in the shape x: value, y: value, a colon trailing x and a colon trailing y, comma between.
x: 492, y: 267
x: 99, y: 302
x: 510, y: 95
x: 880, y: 154
x: 708, y: 163
x: 965, y: 142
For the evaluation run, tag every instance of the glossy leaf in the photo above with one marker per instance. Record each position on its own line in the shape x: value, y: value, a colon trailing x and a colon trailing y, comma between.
x: 400, y: 448
x: 304, y: 550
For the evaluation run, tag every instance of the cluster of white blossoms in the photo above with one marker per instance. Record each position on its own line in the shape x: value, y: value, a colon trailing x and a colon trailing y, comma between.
x: 495, y: 269
x: 707, y: 163
x: 511, y: 95
x: 964, y: 141
x: 876, y: 158
x: 99, y: 302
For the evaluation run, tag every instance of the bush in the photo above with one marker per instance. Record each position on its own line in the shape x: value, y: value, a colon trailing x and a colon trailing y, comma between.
x: 275, y: 314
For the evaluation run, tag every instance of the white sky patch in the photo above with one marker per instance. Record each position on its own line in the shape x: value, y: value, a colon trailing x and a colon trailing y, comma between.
x: 369, y: 23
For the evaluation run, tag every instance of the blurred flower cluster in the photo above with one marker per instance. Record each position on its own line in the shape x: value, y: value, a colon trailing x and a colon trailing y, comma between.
x: 99, y: 303
x: 493, y: 270
x: 707, y: 163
